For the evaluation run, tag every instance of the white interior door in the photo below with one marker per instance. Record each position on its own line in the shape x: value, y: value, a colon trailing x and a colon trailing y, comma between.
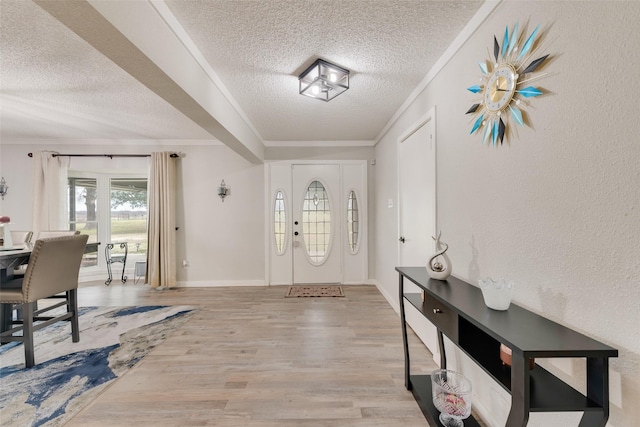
x: 417, y: 204
x: 417, y: 195
x: 317, y: 228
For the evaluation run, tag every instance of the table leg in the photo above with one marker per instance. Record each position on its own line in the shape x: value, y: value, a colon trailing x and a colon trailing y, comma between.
x: 124, y: 260
x: 107, y: 256
x: 72, y: 306
x: 405, y: 342
x: 520, y: 389
x: 443, y: 355
x: 598, y: 391
x: 6, y: 312
x: 108, y: 281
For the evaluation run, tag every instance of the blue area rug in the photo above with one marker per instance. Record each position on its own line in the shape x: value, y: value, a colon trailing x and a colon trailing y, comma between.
x: 69, y: 375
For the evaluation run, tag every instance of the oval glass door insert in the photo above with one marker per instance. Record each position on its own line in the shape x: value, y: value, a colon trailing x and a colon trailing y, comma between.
x: 316, y: 222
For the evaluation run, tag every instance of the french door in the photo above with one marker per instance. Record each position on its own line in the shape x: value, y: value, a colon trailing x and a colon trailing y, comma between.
x: 109, y: 208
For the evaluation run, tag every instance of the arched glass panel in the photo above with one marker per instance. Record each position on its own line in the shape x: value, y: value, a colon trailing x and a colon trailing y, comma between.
x: 316, y: 222
x: 353, y: 221
x: 279, y: 223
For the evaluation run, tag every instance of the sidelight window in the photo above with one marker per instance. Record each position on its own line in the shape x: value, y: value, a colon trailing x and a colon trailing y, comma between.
x: 279, y: 223
x: 353, y: 222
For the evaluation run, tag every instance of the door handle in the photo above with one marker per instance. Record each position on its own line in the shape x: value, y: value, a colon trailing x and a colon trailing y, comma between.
x: 295, y: 233
x: 401, y: 239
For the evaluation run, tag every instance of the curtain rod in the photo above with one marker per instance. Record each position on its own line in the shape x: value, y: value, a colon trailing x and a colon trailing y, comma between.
x: 111, y: 156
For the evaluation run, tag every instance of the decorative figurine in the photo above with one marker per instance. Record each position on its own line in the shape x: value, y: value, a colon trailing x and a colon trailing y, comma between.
x: 439, y: 265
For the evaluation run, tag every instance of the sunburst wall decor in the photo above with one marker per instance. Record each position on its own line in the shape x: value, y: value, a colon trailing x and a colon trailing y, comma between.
x: 505, y: 87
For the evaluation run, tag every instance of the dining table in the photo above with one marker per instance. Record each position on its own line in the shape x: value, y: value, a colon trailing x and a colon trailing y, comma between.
x: 13, y: 257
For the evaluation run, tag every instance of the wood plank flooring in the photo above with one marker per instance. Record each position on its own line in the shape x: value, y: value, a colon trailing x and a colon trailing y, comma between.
x: 250, y: 357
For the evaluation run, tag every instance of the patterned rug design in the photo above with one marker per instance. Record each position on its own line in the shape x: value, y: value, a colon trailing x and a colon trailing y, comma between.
x: 69, y: 375
x: 300, y: 291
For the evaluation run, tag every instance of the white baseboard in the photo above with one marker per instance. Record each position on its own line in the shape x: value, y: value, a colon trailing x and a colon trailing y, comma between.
x: 420, y: 332
x: 280, y: 284
x: 291, y: 284
x: 219, y: 283
x: 483, y: 413
x: 386, y: 295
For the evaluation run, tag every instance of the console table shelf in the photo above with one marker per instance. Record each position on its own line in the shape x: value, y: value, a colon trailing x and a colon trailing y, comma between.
x: 457, y: 310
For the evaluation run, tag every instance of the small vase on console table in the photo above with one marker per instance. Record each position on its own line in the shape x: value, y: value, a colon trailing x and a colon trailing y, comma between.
x: 439, y: 264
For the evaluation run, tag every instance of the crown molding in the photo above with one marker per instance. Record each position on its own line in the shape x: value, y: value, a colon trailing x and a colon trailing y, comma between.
x: 476, y: 21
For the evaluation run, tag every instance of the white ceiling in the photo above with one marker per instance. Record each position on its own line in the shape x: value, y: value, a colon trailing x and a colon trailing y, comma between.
x: 57, y: 84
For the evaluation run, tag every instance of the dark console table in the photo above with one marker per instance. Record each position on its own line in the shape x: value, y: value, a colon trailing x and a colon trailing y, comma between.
x: 458, y: 311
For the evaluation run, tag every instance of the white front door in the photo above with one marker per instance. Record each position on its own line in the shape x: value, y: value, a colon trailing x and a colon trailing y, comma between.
x: 317, y: 225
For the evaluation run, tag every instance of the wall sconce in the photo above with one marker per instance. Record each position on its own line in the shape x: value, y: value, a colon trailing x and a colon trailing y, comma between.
x: 3, y: 188
x: 223, y: 190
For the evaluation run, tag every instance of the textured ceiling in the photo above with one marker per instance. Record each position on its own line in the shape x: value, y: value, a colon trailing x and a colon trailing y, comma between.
x: 54, y: 85
x: 258, y: 48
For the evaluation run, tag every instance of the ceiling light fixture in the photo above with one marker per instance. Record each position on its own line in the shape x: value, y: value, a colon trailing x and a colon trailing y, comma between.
x: 323, y: 80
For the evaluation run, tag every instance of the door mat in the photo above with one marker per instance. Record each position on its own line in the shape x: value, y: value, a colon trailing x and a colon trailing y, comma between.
x: 314, y: 291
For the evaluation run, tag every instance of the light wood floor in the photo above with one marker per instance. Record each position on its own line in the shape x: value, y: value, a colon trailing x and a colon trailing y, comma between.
x: 250, y: 357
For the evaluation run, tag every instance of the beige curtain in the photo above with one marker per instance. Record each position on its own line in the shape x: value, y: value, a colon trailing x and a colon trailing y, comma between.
x: 49, y: 191
x: 161, y: 256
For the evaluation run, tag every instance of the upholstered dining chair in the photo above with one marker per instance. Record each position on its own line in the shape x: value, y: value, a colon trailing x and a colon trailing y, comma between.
x: 21, y: 237
x: 45, y: 234
x: 53, y: 269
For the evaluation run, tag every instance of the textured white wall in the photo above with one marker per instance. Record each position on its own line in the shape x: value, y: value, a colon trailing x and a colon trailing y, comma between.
x: 223, y: 242
x: 557, y: 210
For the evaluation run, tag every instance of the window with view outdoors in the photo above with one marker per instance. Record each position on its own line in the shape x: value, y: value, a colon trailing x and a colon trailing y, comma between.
x: 110, y: 209
x: 83, y: 213
x: 129, y: 213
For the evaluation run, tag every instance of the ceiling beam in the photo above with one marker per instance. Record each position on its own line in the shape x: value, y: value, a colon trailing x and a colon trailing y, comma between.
x: 139, y: 39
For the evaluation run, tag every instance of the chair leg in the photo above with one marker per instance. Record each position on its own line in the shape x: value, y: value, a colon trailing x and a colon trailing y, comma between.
x: 72, y: 307
x: 19, y: 309
x: 27, y: 334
